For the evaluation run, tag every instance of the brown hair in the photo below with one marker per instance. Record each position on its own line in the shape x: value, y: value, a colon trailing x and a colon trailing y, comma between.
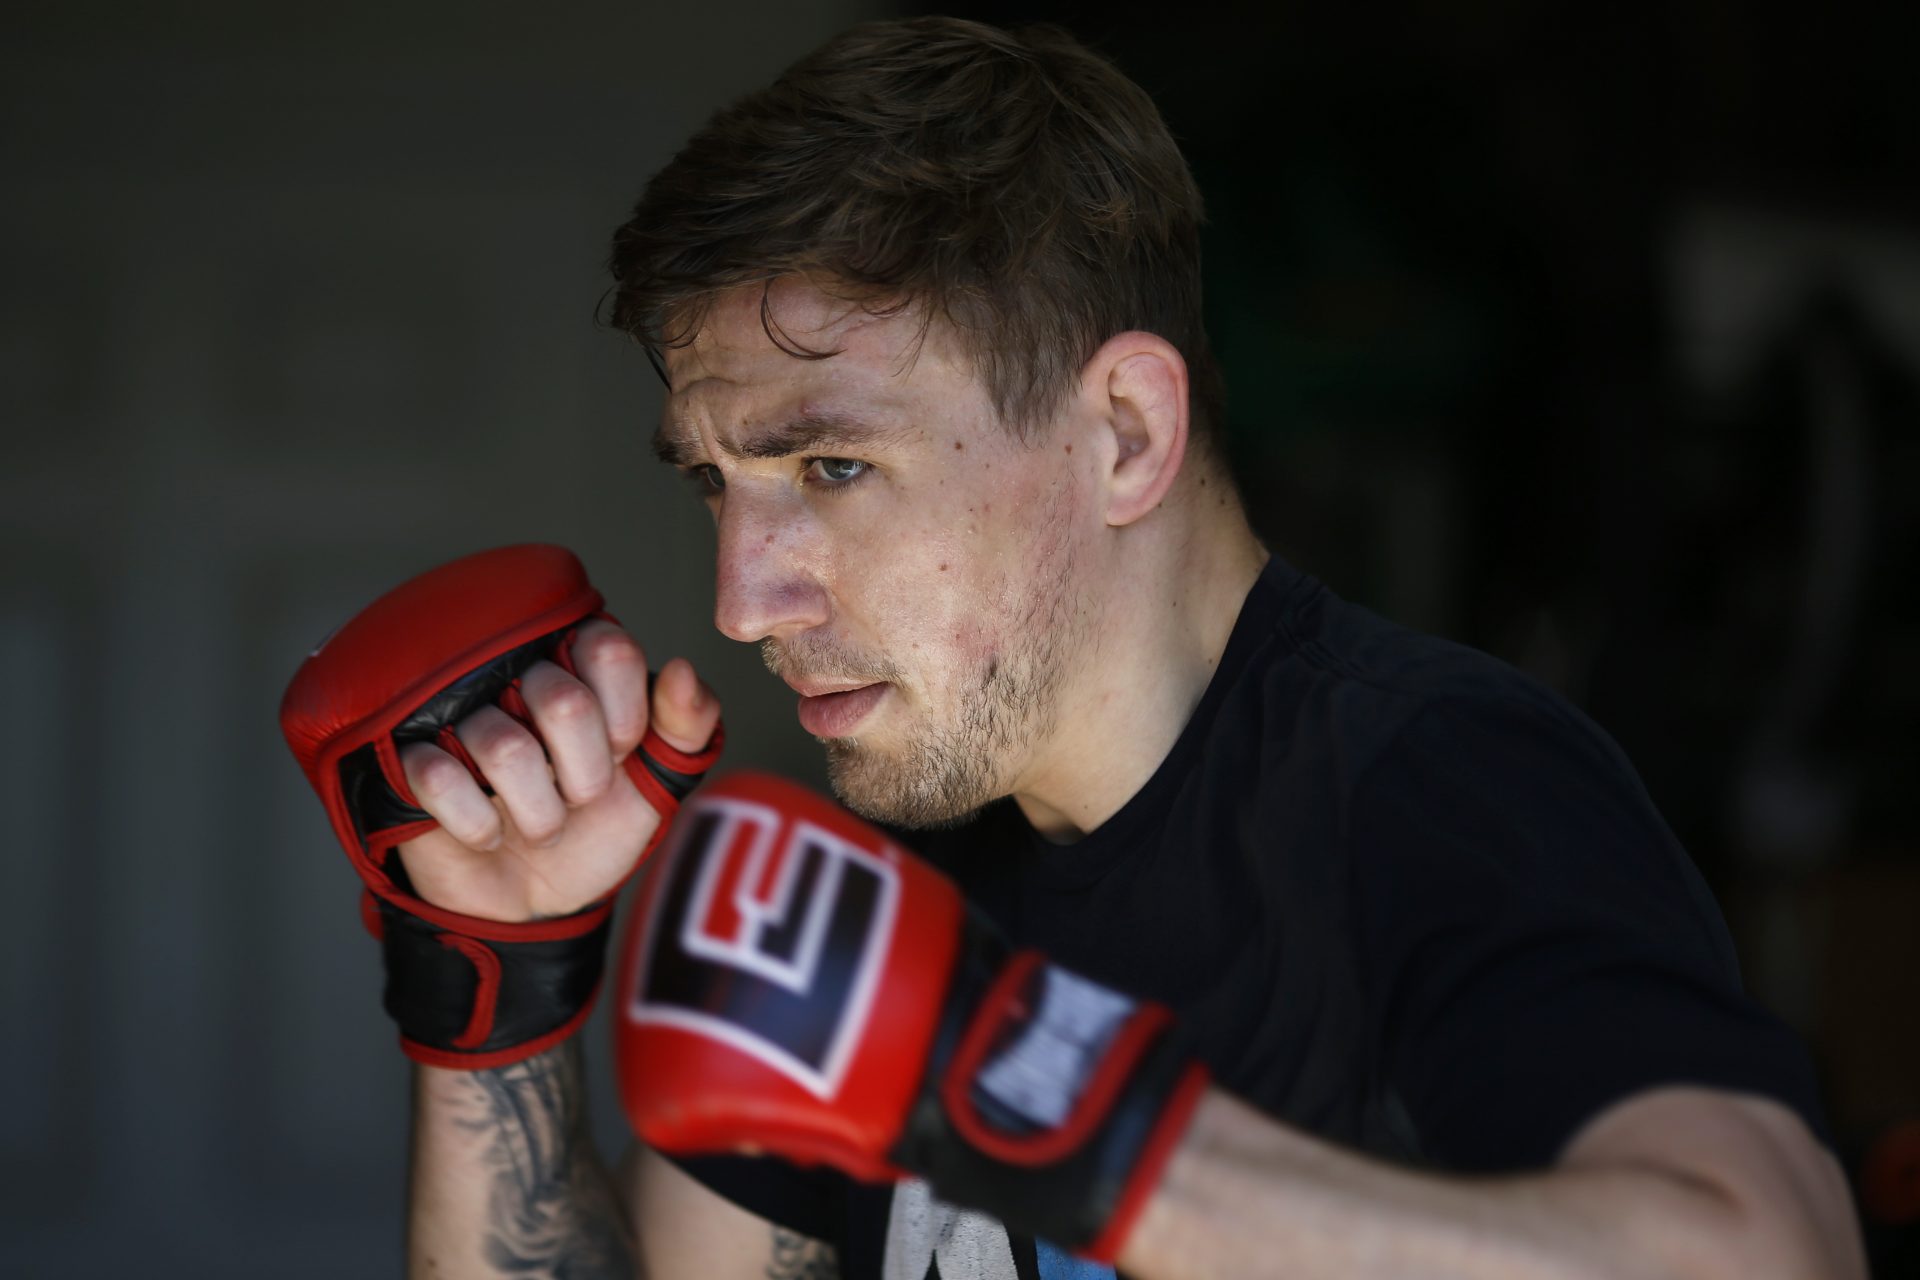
x: 1014, y: 184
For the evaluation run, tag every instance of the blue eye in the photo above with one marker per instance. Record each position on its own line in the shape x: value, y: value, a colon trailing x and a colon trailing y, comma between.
x: 835, y: 472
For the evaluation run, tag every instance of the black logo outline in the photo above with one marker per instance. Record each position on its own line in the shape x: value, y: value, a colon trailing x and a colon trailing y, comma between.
x: 793, y: 984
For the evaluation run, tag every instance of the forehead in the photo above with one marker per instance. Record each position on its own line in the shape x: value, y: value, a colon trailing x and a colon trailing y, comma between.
x: 734, y: 369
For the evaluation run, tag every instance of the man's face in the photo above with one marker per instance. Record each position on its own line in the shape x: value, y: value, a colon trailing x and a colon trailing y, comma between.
x: 906, y: 564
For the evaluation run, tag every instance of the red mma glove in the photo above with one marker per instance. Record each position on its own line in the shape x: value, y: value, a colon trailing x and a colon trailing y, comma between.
x: 467, y: 992
x: 794, y: 982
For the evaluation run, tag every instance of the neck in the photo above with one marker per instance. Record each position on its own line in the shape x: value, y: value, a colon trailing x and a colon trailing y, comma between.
x: 1175, y: 584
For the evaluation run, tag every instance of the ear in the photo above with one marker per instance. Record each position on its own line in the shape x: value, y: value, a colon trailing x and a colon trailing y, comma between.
x: 1136, y: 386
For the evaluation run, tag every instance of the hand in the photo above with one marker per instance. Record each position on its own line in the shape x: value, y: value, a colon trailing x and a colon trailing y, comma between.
x: 493, y: 929
x: 565, y: 824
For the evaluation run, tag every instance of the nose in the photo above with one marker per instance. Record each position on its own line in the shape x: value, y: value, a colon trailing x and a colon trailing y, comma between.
x: 765, y: 575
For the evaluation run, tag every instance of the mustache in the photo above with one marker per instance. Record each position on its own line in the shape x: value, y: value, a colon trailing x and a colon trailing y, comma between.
x: 824, y: 659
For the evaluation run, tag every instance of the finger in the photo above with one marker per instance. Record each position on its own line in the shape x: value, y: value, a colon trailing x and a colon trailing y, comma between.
x: 685, y: 711
x: 450, y: 796
x: 516, y: 768
x: 612, y: 664
x: 570, y: 723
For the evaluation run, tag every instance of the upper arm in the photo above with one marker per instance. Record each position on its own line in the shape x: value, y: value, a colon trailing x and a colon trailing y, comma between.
x: 685, y: 1230
x: 1536, y: 944
x: 1756, y: 1155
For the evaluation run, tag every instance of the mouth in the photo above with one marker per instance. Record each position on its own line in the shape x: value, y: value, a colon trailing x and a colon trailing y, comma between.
x: 826, y: 712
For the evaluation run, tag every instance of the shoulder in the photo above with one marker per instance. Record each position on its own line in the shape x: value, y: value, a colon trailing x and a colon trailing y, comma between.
x: 1386, y: 702
x: 1368, y: 758
x: 1452, y: 770
x: 1340, y: 642
x: 1507, y: 798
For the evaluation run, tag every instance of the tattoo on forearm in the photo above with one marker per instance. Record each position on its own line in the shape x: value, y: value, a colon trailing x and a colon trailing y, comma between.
x: 552, y: 1210
x: 797, y: 1257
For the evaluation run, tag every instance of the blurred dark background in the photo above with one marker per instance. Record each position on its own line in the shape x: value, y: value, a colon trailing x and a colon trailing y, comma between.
x: 1586, y: 335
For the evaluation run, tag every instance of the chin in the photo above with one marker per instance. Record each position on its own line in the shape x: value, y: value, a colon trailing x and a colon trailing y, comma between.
x: 926, y: 791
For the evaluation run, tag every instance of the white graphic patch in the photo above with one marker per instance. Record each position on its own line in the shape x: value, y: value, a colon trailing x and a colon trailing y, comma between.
x: 969, y: 1245
x: 1043, y: 1072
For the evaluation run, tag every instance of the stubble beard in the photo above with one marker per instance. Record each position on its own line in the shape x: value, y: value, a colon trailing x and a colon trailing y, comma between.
x: 1008, y: 703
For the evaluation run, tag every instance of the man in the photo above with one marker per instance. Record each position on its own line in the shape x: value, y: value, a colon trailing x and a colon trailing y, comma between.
x: 929, y: 315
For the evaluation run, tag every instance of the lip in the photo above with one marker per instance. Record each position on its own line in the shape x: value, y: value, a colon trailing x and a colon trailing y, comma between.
x: 821, y: 688
x: 836, y: 713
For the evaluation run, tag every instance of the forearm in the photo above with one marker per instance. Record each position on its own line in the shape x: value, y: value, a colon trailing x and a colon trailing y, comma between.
x: 505, y: 1180
x: 1247, y: 1196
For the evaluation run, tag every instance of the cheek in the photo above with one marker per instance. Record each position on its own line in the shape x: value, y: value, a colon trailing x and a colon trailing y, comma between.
x: 939, y: 613
x: 978, y: 618
x: 955, y: 571
x: 944, y: 625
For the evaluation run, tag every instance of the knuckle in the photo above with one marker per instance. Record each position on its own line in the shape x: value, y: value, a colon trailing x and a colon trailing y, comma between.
x: 571, y: 701
x: 519, y: 748
x: 476, y: 832
x: 432, y: 773
x: 624, y: 737
x: 590, y: 786
x: 505, y: 746
x: 609, y: 647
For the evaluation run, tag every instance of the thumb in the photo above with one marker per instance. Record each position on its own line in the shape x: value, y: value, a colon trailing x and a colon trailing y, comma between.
x: 685, y: 712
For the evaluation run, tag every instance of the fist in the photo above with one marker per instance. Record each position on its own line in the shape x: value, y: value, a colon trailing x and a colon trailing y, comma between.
x: 472, y: 734
x: 795, y: 983
x: 536, y: 813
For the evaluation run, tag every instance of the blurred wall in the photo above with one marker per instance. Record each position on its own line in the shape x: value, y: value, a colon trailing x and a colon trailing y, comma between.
x: 294, y: 302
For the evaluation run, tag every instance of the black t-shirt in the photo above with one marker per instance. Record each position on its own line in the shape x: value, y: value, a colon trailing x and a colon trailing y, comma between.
x: 1410, y: 900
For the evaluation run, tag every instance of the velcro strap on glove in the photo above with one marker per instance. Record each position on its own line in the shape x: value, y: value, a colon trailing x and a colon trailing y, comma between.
x: 1049, y: 1100
x: 470, y: 1002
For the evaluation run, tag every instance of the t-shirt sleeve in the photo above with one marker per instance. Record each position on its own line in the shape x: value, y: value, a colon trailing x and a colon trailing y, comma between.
x: 809, y: 1201
x: 1535, y: 944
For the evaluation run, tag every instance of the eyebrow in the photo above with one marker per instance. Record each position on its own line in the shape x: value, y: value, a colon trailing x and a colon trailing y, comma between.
x: 815, y: 432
